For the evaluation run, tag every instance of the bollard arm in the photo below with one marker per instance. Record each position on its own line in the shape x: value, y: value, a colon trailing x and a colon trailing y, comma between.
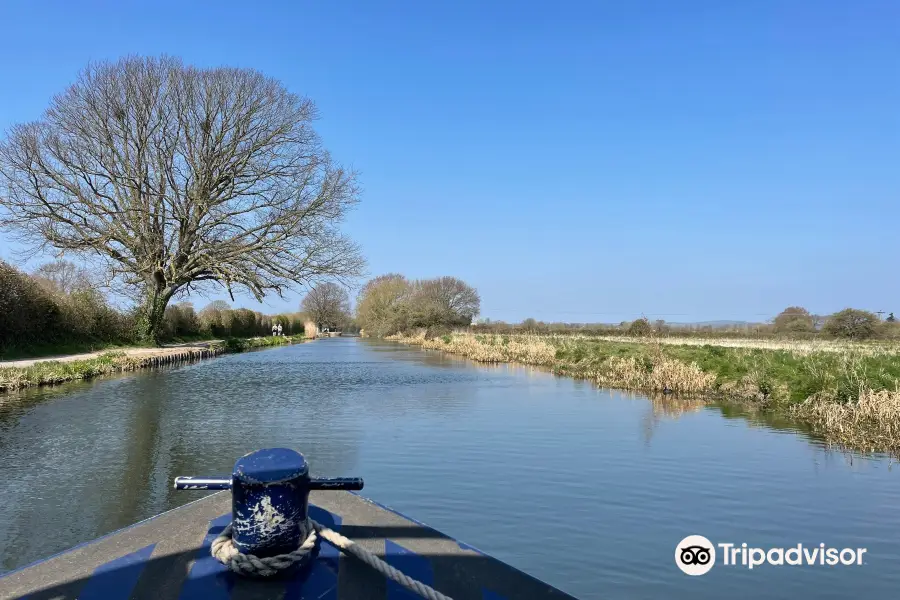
x: 336, y: 483
x: 202, y: 483
x: 316, y: 483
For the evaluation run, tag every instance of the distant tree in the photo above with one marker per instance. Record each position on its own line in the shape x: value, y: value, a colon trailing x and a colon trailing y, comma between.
x: 851, y: 323
x: 529, y: 324
x: 640, y: 327
x: 63, y: 277
x: 216, y: 318
x: 891, y: 318
x: 794, y: 319
x: 381, y: 306
x: 660, y: 326
x: 818, y: 321
x: 328, y: 305
x: 391, y: 303
x: 444, y: 301
x: 178, y: 176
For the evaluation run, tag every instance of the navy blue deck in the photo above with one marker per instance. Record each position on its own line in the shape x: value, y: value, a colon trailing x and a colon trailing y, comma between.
x: 167, y: 557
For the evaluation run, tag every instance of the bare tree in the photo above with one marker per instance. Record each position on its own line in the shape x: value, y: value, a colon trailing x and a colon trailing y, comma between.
x: 328, y: 304
x: 174, y: 176
x: 64, y: 277
x: 445, y: 300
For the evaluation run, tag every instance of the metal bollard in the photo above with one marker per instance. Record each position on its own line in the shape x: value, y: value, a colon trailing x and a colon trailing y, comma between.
x: 269, y: 498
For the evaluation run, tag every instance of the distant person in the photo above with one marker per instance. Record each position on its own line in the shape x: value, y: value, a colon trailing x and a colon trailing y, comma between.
x: 279, y: 329
x: 274, y: 329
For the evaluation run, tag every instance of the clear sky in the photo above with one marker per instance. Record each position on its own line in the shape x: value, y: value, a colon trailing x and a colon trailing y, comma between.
x: 578, y: 161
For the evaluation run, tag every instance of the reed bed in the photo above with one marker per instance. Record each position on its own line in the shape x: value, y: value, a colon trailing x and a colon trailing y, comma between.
x: 849, y: 393
x: 871, y: 423
x: 526, y: 349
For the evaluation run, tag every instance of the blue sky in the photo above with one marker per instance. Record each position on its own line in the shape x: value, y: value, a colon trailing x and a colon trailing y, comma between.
x: 578, y: 161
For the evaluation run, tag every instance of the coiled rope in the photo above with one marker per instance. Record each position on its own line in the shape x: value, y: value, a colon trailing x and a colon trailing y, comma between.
x: 223, y: 550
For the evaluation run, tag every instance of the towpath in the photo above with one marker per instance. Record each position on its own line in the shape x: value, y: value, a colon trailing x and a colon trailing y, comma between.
x: 161, y: 351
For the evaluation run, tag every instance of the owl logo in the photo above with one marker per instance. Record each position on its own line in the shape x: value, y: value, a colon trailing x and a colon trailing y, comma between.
x: 695, y: 555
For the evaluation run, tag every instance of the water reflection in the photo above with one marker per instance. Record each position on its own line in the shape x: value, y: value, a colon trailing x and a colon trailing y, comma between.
x: 662, y: 407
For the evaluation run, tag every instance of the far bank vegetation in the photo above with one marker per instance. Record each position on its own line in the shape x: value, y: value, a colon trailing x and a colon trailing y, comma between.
x: 392, y: 304
x: 793, y: 323
x: 839, y: 375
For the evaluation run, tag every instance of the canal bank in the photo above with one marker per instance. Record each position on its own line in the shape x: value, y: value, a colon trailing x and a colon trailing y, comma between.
x: 19, y: 374
x: 847, y: 392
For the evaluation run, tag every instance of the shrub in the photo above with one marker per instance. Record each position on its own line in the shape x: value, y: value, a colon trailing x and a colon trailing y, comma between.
x: 851, y: 323
x: 436, y: 331
x: 180, y: 320
x: 794, y: 319
x: 58, y: 306
x: 640, y: 327
x: 50, y: 309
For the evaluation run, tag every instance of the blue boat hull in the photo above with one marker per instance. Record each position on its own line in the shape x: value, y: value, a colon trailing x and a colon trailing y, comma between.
x: 167, y: 558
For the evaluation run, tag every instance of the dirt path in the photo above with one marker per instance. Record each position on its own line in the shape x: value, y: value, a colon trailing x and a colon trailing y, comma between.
x: 162, y: 351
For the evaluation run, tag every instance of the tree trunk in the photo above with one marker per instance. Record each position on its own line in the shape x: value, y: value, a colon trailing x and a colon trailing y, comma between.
x: 150, y: 316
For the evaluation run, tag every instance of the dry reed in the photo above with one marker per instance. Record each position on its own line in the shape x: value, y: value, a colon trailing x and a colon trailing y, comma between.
x: 871, y: 423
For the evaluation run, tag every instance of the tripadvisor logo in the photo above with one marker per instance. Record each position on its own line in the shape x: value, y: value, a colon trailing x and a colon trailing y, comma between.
x: 696, y: 555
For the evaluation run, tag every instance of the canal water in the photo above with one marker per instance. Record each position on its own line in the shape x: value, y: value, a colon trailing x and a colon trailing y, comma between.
x: 588, y: 489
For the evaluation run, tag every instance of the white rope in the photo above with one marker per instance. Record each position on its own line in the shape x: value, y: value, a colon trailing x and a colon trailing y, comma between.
x: 224, y: 551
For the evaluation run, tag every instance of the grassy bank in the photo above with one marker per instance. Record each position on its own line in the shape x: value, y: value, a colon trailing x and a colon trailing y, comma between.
x: 847, y: 392
x: 50, y: 372
x: 244, y: 344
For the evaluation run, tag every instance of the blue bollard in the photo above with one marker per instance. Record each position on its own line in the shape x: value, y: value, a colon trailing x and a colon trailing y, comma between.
x: 270, y: 499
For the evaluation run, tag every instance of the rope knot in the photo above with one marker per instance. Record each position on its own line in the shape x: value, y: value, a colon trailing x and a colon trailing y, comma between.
x: 223, y: 550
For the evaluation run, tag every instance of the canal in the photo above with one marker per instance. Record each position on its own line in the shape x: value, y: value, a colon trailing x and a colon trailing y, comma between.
x: 588, y: 489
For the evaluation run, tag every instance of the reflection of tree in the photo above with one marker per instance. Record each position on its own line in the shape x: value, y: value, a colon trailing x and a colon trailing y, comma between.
x: 62, y: 453
x: 664, y: 407
x: 134, y: 496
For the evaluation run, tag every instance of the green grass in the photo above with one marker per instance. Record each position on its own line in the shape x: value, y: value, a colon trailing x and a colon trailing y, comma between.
x: 243, y: 344
x: 50, y: 372
x: 783, y: 377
